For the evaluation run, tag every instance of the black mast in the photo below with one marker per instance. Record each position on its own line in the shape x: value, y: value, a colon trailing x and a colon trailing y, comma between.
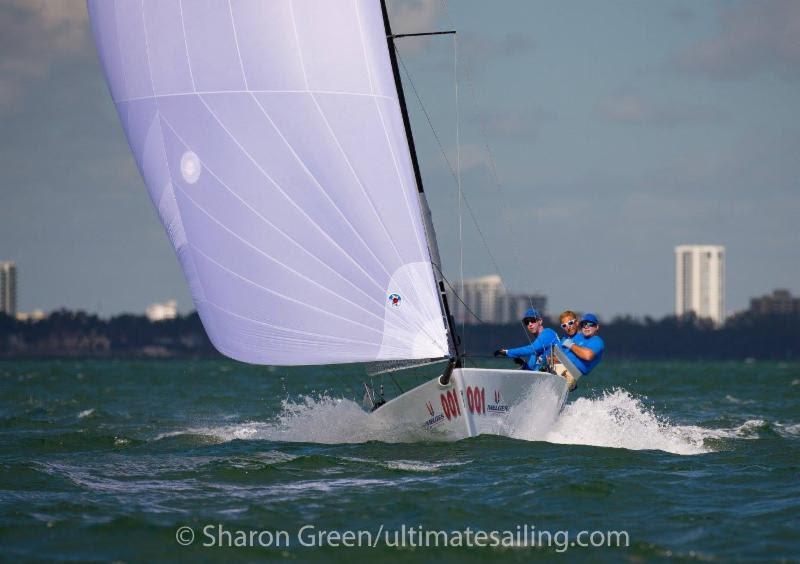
x: 454, y: 339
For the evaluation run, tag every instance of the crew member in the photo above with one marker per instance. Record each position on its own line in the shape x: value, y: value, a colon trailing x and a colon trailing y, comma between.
x: 584, y: 349
x: 534, y: 356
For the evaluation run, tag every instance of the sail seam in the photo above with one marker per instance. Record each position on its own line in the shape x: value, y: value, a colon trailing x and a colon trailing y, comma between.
x: 322, y: 114
x: 299, y: 48
x: 302, y: 164
x: 349, y: 165
x: 179, y: 219
x: 286, y: 195
x: 119, y: 50
x: 186, y: 46
x: 386, y: 133
x: 147, y: 52
x: 282, y: 296
x: 265, y: 219
x: 428, y: 311
x: 372, y: 206
x: 233, y: 91
x: 276, y: 261
x: 290, y: 330
x: 236, y: 42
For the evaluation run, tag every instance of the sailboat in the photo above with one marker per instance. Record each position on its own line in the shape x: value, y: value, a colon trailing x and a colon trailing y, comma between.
x: 276, y: 147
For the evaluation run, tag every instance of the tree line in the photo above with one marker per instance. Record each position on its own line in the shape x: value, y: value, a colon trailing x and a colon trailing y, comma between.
x: 76, y: 333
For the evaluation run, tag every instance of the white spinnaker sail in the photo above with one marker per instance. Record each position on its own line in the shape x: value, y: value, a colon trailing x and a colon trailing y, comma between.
x: 271, y: 140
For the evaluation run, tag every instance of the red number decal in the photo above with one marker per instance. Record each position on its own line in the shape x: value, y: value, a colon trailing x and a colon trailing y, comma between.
x: 445, y: 406
x: 470, y: 400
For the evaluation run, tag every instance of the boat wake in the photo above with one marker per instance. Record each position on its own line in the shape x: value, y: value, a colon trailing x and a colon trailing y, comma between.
x: 618, y: 419
x: 614, y: 419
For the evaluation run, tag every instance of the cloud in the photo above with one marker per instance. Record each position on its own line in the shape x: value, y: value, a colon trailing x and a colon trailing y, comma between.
x: 631, y: 109
x: 754, y: 37
x: 34, y: 36
x: 522, y: 126
x: 414, y: 16
x: 682, y: 15
x: 479, y: 48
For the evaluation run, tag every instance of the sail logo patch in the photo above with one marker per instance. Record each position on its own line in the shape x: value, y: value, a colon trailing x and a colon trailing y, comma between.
x: 394, y: 300
x: 190, y: 167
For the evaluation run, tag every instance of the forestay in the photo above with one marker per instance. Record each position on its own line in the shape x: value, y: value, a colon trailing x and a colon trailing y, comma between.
x: 271, y: 141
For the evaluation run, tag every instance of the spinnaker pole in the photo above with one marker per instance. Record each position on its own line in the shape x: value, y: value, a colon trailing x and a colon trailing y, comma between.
x: 455, y: 341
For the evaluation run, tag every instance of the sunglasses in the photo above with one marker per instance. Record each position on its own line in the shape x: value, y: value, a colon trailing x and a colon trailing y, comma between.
x: 529, y: 320
x: 588, y: 324
x: 569, y: 323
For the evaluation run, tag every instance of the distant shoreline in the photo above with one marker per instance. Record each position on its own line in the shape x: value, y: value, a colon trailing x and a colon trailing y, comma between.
x: 67, y: 334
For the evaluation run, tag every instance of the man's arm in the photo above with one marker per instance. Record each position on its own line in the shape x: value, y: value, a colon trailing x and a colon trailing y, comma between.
x: 588, y: 353
x: 527, y: 350
x: 583, y: 353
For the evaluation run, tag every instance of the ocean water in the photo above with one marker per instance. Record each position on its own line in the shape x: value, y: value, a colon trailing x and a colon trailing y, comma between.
x: 108, y: 460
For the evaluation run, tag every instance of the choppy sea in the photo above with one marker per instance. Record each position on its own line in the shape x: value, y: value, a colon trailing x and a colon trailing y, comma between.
x: 214, y: 460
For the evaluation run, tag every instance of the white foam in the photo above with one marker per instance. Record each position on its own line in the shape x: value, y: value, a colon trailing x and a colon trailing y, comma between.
x: 320, y: 419
x: 734, y: 399
x: 791, y: 430
x: 419, y: 466
x: 617, y: 419
x: 85, y: 413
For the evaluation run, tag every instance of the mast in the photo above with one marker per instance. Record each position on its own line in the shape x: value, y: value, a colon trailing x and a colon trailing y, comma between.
x: 455, y: 341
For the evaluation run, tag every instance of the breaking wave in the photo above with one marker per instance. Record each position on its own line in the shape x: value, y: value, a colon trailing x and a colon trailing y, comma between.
x: 618, y: 419
x: 615, y: 419
x: 322, y: 419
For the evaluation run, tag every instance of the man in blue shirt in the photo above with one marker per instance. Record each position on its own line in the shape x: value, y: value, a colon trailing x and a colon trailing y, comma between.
x: 534, y: 355
x: 584, y: 349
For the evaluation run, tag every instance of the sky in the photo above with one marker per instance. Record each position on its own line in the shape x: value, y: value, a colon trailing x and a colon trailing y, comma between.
x: 615, y: 131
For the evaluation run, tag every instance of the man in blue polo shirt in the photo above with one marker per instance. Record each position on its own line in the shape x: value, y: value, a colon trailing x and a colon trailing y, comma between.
x: 534, y: 355
x: 585, y: 349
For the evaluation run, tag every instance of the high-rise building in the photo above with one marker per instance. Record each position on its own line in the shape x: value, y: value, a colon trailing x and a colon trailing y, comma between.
x: 700, y: 281
x: 780, y: 302
x: 488, y: 299
x: 8, y: 287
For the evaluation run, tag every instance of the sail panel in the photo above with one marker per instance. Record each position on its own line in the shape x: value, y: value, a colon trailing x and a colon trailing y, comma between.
x: 270, y: 137
x: 166, y: 48
x: 271, y: 61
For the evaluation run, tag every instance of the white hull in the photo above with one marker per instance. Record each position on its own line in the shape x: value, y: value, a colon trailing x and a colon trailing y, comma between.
x: 475, y: 402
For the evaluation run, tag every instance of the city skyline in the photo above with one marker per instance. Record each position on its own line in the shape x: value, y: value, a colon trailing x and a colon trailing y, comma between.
x: 617, y: 132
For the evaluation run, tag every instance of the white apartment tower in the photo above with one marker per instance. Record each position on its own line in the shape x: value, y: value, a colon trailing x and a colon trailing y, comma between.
x: 700, y: 281
x: 8, y: 287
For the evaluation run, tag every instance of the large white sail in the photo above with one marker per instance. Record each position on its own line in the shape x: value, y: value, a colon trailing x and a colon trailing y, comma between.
x: 271, y: 140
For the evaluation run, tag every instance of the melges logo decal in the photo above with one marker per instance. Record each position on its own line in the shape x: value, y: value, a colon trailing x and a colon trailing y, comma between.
x: 497, y: 407
x: 434, y: 419
x: 394, y: 300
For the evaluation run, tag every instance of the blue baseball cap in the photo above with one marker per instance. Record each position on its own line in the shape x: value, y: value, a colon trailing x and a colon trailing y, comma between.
x: 531, y: 313
x: 589, y: 317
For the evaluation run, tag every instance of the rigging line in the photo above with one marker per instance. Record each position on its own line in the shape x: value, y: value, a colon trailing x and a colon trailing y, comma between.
x: 455, y: 293
x: 426, y: 362
x: 456, y: 178
x: 493, y: 163
x: 450, y: 166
